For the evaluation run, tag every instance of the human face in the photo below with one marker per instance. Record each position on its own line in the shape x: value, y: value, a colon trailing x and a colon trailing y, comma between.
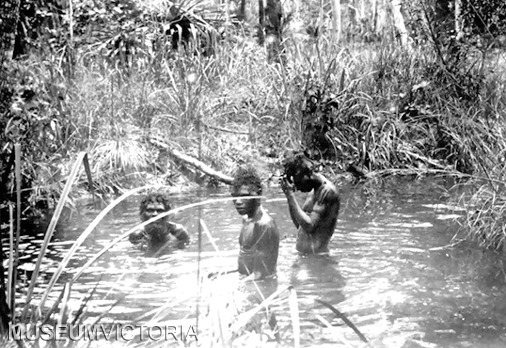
x: 154, y: 209
x: 245, y: 206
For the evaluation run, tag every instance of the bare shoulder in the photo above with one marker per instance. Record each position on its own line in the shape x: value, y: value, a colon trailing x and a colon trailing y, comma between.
x: 266, y: 221
x: 328, y: 193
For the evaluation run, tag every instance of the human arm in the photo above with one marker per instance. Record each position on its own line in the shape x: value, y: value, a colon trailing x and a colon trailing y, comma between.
x: 322, y: 205
x: 136, y: 237
x: 293, y: 205
x: 299, y: 217
x: 266, y: 249
x: 179, y: 231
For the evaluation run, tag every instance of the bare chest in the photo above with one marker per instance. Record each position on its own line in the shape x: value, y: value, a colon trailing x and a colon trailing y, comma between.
x: 247, y: 235
x: 309, y: 203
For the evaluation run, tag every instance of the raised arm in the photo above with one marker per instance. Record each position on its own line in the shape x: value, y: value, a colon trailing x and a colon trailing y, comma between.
x: 327, y: 202
x: 293, y: 206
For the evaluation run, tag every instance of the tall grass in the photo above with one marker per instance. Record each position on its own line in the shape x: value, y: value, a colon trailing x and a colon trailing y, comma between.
x: 485, y: 208
x: 397, y: 110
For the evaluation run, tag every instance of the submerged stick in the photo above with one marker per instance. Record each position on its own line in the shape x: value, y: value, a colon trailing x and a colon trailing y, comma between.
x: 87, y: 169
x: 343, y: 317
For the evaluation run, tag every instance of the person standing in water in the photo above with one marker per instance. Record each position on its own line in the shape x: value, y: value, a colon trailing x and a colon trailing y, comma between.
x: 317, y: 218
x: 157, y: 234
x: 259, y: 235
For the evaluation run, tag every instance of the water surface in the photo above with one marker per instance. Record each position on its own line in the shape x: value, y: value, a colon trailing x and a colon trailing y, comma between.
x: 390, y: 270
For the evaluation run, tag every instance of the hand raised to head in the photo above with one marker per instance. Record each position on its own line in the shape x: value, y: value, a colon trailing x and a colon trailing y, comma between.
x: 286, y: 185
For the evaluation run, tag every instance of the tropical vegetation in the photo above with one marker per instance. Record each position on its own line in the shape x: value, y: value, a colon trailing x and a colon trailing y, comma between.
x: 367, y: 88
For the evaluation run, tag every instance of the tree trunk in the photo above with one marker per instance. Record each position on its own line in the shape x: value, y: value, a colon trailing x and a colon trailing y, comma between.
x: 374, y: 15
x: 261, y: 22
x: 241, y: 14
x: 398, y: 20
x: 459, y: 20
x: 270, y: 20
x: 9, y: 16
x: 336, y: 23
x: 194, y: 162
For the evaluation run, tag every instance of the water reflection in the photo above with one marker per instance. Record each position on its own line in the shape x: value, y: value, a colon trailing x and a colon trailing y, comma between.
x: 317, y: 276
x: 388, y: 270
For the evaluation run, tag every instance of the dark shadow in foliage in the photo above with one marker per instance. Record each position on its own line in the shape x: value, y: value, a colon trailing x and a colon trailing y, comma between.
x: 190, y: 32
x: 179, y: 30
x: 37, y: 19
x: 319, y: 112
x: 486, y: 20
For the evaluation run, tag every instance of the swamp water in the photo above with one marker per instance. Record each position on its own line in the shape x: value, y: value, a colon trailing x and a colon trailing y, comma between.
x: 391, y: 271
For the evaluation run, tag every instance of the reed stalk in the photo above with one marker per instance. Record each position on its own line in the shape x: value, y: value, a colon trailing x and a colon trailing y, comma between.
x: 294, y: 314
x: 15, y: 260
x: 81, y: 239
x: 11, y: 288
x: 49, y: 234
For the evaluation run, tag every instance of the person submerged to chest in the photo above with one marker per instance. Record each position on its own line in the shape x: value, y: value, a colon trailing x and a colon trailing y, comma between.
x: 158, y: 233
x: 259, y: 235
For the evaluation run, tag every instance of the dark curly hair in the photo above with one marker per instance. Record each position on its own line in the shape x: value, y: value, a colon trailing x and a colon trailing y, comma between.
x: 247, y: 176
x: 298, y: 162
x: 154, y: 197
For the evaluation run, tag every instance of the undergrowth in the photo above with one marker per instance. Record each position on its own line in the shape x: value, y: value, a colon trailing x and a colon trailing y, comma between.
x: 369, y: 108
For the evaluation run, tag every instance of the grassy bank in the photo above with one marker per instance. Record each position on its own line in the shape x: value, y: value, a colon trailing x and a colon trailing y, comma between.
x: 437, y: 105
x: 387, y: 108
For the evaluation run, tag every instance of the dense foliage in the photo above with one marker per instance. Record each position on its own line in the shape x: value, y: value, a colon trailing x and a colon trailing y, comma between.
x: 127, y: 81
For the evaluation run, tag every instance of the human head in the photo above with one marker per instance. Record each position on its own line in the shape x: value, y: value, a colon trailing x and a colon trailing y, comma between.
x: 246, y: 182
x: 153, y: 204
x: 299, y: 169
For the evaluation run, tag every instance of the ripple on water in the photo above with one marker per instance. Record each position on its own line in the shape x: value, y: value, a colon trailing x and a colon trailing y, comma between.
x: 385, y: 272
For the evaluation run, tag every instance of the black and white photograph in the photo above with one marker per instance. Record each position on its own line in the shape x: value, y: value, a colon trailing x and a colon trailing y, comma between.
x: 264, y: 174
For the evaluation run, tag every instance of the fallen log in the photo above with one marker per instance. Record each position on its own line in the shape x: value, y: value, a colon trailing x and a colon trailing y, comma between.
x: 194, y: 162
